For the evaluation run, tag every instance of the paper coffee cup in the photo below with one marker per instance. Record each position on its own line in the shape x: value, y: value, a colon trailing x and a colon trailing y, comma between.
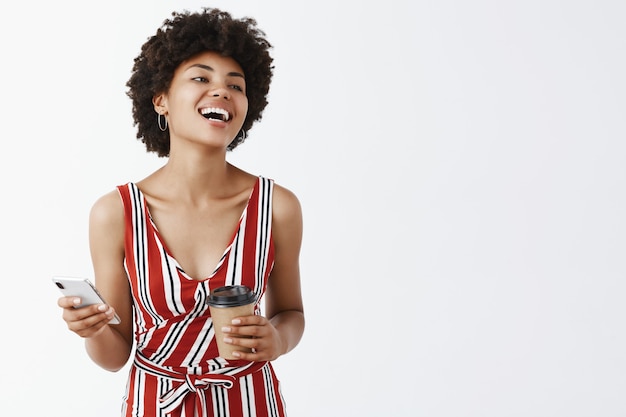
x: 226, y: 303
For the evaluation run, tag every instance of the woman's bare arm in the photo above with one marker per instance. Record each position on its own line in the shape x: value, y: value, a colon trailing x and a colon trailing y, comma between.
x: 110, y: 346
x: 283, y: 298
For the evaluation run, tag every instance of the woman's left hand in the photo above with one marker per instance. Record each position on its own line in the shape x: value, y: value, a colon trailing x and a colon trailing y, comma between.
x: 256, y: 333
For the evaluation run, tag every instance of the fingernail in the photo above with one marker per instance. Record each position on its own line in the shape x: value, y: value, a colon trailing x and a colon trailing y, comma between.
x: 226, y: 329
x: 102, y: 307
x: 236, y: 321
x: 236, y: 354
x: 228, y: 340
x: 76, y: 301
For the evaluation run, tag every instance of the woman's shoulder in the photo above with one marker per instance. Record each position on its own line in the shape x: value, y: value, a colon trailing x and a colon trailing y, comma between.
x: 108, y: 209
x: 286, y: 205
x: 284, y: 195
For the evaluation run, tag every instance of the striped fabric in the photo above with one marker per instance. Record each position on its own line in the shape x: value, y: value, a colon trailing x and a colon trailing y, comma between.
x: 177, y: 371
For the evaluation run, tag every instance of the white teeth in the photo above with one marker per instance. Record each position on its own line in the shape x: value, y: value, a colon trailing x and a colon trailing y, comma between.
x: 217, y: 110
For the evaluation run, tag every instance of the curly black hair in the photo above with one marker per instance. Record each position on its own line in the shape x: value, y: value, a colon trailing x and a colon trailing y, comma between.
x: 183, y: 36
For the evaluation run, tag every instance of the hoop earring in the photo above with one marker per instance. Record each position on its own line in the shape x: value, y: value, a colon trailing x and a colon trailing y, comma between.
x: 243, y: 135
x: 161, y: 127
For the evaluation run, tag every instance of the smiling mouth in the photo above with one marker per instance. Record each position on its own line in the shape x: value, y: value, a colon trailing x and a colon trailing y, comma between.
x: 215, y: 113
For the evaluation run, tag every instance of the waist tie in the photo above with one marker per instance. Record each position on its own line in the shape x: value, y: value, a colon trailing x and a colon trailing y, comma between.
x: 193, y: 384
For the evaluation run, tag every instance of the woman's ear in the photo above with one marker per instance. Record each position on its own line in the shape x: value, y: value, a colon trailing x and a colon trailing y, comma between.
x: 160, y: 103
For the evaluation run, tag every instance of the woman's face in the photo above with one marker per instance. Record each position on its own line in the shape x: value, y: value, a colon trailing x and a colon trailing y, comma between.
x: 207, y: 100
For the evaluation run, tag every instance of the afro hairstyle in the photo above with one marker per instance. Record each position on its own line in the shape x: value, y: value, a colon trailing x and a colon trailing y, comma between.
x: 183, y: 36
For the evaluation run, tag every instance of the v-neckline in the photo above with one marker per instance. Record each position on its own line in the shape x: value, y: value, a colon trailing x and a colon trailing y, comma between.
x: 169, y: 254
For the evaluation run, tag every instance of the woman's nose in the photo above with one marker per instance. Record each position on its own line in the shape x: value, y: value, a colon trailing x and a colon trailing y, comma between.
x: 220, y: 92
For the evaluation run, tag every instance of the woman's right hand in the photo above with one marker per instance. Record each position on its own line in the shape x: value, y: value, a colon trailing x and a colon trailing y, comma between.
x: 86, y: 321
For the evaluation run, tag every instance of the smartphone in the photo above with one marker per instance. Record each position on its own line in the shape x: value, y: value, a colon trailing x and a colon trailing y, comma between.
x: 83, y: 288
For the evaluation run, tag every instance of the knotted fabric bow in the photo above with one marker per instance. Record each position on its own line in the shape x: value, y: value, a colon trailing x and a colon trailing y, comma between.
x: 190, y: 384
x: 197, y: 384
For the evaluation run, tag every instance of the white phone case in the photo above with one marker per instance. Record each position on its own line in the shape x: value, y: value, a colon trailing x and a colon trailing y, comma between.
x: 83, y: 288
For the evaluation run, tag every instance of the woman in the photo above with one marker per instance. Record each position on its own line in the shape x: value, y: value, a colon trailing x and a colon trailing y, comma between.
x: 159, y: 246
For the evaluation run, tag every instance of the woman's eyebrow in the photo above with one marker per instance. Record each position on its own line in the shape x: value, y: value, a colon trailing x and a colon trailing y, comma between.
x: 208, y: 68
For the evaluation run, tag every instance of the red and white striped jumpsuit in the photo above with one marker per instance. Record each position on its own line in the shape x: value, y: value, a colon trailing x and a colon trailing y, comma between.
x: 177, y: 371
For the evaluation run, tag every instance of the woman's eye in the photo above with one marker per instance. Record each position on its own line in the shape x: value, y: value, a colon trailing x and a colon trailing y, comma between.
x: 201, y: 79
x: 236, y: 87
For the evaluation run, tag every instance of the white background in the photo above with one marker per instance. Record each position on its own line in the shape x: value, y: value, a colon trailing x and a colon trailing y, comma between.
x: 461, y: 166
